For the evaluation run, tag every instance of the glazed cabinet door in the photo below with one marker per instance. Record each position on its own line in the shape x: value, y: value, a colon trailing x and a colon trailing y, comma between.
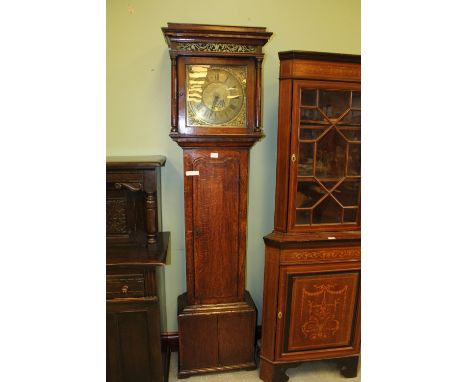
x: 318, y: 311
x: 325, y: 163
x: 215, y: 223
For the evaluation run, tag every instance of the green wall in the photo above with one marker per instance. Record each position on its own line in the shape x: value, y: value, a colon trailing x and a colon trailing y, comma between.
x: 138, y: 95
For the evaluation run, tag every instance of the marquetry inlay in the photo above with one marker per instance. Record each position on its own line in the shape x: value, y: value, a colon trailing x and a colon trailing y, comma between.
x: 320, y: 254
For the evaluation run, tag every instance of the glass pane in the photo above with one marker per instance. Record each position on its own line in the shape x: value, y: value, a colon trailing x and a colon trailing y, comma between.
x: 334, y: 102
x: 348, y: 192
x: 352, y: 117
x: 356, y: 102
x: 305, y: 165
x: 331, y: 155
x: 302, y: 217
x: 327, y: 211
x: 312, y: 115
x: 309, y: 193
x: 310, y: 134
x: 350, y: 215
x: 351, y: 133
x: 309, y: 97
x: 354, y: 159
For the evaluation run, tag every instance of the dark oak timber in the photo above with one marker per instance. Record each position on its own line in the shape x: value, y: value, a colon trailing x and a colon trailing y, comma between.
x: 216, y: 337
x: 311, y: 300
x: 135, y: 250
x: 215, y: 225
x: 216, y: 316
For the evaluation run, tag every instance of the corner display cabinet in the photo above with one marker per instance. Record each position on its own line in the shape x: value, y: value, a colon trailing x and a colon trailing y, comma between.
x: 311, y: 301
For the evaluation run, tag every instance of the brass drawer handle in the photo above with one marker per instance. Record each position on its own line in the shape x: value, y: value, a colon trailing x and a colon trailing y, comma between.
x: 124, y: 289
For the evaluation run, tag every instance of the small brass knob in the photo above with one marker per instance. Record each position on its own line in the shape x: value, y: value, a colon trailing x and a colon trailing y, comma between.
x: 124, y: 289
x: 280, y: 315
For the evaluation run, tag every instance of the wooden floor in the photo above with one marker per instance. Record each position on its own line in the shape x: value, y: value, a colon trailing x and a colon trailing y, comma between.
x: 307, y: 372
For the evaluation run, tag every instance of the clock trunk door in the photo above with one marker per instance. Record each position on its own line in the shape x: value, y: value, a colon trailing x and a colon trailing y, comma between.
x: 215, y: 196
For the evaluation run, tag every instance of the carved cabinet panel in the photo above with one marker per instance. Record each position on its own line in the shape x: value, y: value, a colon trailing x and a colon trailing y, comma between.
x: 124, y: 214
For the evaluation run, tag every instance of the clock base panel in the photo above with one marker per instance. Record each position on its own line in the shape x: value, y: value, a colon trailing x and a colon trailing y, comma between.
x: 216, y: 337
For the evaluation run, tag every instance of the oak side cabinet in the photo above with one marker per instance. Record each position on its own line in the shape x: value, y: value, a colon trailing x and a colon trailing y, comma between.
x: 311, y: 303
x: 135, y: 258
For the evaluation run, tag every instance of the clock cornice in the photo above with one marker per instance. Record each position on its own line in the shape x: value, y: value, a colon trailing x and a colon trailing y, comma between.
x: 185, y: 39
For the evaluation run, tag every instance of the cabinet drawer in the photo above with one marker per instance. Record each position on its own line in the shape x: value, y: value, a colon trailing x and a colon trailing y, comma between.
x: 125, y: 285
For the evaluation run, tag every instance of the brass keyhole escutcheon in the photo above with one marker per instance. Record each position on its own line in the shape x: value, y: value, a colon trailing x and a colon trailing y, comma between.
x: 124, y: 289
x: 293, y: 158
x: 280, y: 315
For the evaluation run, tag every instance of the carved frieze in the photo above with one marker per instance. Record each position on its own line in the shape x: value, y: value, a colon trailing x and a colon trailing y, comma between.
x: 215, y: 47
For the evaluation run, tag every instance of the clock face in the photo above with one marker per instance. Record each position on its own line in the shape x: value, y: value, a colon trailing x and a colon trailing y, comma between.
x: 216, y: 95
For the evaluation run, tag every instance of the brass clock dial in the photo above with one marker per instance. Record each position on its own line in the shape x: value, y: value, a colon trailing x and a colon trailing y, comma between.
x: 216, y: 95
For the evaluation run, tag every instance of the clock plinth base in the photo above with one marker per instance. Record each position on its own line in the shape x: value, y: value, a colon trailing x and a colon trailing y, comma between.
x: 216, y: 337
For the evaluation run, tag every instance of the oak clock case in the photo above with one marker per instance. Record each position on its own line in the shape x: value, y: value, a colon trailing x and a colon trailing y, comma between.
x: 215, y: 118
x: 311, y: 301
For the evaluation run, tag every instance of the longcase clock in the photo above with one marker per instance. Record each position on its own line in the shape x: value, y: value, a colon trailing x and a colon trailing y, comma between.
x: 215, y: 118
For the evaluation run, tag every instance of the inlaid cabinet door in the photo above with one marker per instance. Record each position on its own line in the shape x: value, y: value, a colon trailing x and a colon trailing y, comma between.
x: 318, y: 309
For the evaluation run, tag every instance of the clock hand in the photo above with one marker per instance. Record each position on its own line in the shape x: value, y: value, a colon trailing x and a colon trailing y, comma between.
x: 213, y: 104
x: 215, y: 101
